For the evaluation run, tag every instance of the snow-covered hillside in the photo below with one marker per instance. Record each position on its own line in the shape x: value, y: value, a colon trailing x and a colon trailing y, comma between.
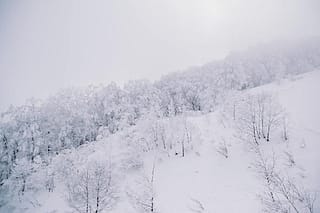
x: 209, y: 182
x: 191, y: 163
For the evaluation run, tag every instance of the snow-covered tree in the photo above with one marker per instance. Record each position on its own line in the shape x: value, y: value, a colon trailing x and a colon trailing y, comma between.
x: 141, y: 193
x: 93, y: 190
x: 258, y: 116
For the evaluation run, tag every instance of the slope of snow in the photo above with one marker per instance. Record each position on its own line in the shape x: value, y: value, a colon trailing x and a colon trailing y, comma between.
x: 301, y: 100
x: 300, y: 97
x: 205, y: 181
x: 208, y: 182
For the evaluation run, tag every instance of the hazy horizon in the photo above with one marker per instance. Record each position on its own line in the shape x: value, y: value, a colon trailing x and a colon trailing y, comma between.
x: 46, y: 46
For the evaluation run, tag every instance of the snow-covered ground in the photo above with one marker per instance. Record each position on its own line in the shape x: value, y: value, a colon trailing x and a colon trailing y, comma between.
x: 205, y: 181
x: 221, y: 184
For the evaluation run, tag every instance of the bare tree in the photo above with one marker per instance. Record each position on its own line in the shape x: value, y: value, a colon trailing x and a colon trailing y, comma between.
x: 159, y: 134
x: 274, y: 114
x: 173, y: 134
x: 285, y: 128
x: 265, y: 167
x: 282, y: 193
x: 247, y: 119
x: 49, y: 180
x: 94, y: 189
x: 259, y: 115
x: 223, y: 149
x: 310, y: 199
x: 289, y: 192
x: 141, y: 193
x: 102, y: 190
x: 290, y: 160
x: 186, y: 137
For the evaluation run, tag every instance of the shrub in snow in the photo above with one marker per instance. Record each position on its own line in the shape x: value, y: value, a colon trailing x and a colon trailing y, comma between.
x: 196, y: 206
x: 223, y: 149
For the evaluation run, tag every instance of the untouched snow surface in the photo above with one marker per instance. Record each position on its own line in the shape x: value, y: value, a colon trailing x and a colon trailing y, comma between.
x: 207, y: 181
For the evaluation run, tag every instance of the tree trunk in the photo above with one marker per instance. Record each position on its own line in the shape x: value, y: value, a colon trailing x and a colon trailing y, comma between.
x: 152, y: 180
x: 268, y: 133
x: 87, y: 192
x: 182, y: 146
x: 254, y: 133
x: 33, y: 149
x: 98, y: 197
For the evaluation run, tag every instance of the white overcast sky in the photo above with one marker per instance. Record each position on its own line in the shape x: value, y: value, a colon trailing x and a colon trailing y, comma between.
x: 47, y: 45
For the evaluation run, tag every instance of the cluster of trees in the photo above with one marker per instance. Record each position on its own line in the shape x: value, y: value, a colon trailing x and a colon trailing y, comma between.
x: 175, y: 136
x: 93, y: 190
x: 143, y: 199
x: 282, y: 193
x: 258, y: 117
x: 74, y: 117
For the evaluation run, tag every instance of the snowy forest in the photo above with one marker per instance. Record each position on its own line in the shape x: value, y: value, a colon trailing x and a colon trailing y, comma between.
x: 101, y: 148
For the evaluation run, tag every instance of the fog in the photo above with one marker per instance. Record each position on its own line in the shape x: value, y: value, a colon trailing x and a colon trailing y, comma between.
x: 47, y: 45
